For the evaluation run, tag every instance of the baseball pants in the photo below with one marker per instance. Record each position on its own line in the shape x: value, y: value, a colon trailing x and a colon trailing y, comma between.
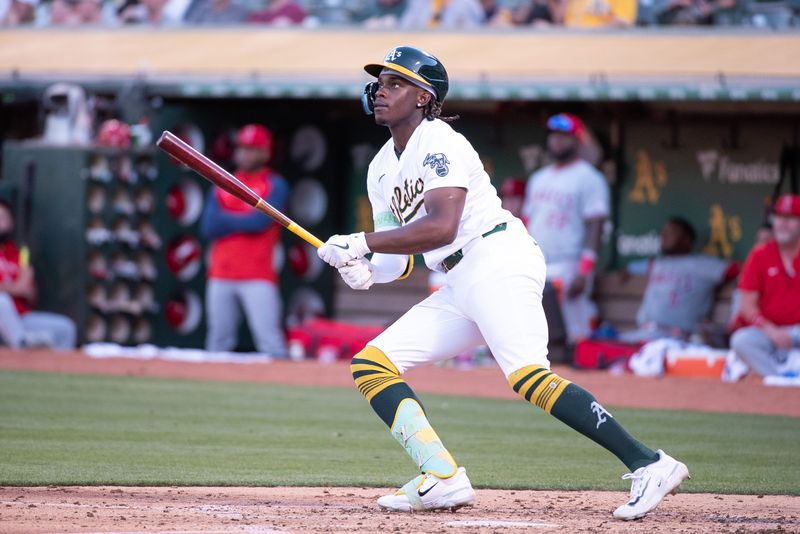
x: 34, y: 328
x: 261, y: 302
x: 492, y: 297
x: 753, y: 346
x: 578, y: 312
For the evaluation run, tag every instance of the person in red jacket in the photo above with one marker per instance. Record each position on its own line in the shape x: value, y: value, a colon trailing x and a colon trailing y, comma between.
x: 19, y: 325
x: 770, y: 296
x: 241, y: 274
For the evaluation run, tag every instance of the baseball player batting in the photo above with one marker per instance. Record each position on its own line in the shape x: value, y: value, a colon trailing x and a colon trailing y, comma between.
x: 430, y: 195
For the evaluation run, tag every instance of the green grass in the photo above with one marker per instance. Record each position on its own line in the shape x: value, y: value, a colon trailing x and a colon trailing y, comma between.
x: 71, y: 429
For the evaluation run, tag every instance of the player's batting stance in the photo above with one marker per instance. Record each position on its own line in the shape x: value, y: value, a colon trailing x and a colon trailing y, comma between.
x: 430, y: 194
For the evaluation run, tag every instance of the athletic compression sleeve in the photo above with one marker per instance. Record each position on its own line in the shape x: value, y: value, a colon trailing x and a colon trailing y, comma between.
x: 388, y: 267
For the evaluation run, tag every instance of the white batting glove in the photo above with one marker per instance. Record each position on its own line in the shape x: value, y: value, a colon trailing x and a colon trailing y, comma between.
x: 358, y: 274
x: 341, y: 249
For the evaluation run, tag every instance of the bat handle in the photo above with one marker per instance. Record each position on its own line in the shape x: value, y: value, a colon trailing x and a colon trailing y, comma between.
x: 304, y: 234
x: 25, y: 256
x: 286, y: 222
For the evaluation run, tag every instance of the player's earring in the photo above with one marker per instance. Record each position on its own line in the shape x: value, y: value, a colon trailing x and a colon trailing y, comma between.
x: 420, y: 105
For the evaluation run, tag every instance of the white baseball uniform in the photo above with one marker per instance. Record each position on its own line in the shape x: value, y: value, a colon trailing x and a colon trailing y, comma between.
x: 558, y: 200
x: 493, y: 295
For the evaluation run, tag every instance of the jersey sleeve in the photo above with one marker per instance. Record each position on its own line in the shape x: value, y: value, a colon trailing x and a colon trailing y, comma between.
x: 279, y: 192
x: 751, y: 272
x: 382, y: 216
x: 443, y: 163
x: 595, y: 196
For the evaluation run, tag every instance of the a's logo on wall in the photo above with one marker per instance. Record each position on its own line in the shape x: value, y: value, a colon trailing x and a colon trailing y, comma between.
x: 437, y: 162
x: 651, y: 177
x: 393, y: 54
x: 726, y: 230
x: 715, y: 165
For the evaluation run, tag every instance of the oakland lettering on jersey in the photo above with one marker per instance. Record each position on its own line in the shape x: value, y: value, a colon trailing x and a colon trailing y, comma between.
x: 403, y: 199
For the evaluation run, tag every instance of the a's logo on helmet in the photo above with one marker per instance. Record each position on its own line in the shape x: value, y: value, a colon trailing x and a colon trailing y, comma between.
x: 437, y: 162
x: 393, y: 54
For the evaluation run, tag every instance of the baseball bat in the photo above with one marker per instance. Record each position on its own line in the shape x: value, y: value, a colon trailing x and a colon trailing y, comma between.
x: 186, y: 154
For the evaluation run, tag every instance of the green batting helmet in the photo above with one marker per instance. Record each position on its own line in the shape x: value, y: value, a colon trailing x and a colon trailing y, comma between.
x: 417, y: 66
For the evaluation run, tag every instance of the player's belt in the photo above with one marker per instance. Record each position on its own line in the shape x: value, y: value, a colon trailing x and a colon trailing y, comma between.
x: 452, y: 260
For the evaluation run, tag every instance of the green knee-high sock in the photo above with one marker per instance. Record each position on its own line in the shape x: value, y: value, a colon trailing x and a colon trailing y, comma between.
x: 396, y: 404
x: 577, y: 408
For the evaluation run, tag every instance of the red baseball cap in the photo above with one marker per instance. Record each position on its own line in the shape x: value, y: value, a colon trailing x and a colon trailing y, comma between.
x: 788, y: 205
x: 567, y: 123
x: 255, y: 136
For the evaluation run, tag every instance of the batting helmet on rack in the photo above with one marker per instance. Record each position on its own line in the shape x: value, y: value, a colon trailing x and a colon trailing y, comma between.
x: 415, y: 65
x: 114, y: 133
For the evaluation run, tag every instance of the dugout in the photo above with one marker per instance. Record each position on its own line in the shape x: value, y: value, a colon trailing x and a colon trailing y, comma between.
x: 700, y: 124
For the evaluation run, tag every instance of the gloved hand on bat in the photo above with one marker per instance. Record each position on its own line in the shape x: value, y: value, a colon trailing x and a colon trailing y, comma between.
x: 358, y: 274
x: 339, y: 250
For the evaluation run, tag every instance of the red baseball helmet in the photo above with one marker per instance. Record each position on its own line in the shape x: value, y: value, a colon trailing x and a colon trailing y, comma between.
x: 175, y: 312
x: 304, y: 262
x: 176, y: 202
x: 114, y: 133
x: 185, y: 202
x: 183, y: 311
x: 183, y: 256
x: 298, y: 259
x: 254, y: 136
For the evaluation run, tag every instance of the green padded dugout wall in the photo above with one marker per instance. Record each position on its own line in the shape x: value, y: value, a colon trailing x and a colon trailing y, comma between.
x: 719, y: 173
x: 714, y: 167
x: 57, y: 221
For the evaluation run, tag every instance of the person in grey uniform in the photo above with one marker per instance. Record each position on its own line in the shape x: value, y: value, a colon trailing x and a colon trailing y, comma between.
x: 681, y: 286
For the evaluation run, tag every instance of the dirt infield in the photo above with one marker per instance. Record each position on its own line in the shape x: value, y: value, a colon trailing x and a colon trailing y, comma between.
x: 291, y: 510
x: 294, y: 510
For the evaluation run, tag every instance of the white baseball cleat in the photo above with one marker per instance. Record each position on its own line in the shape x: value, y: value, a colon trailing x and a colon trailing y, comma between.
x: 650, y: 484
x: 429, y: 492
